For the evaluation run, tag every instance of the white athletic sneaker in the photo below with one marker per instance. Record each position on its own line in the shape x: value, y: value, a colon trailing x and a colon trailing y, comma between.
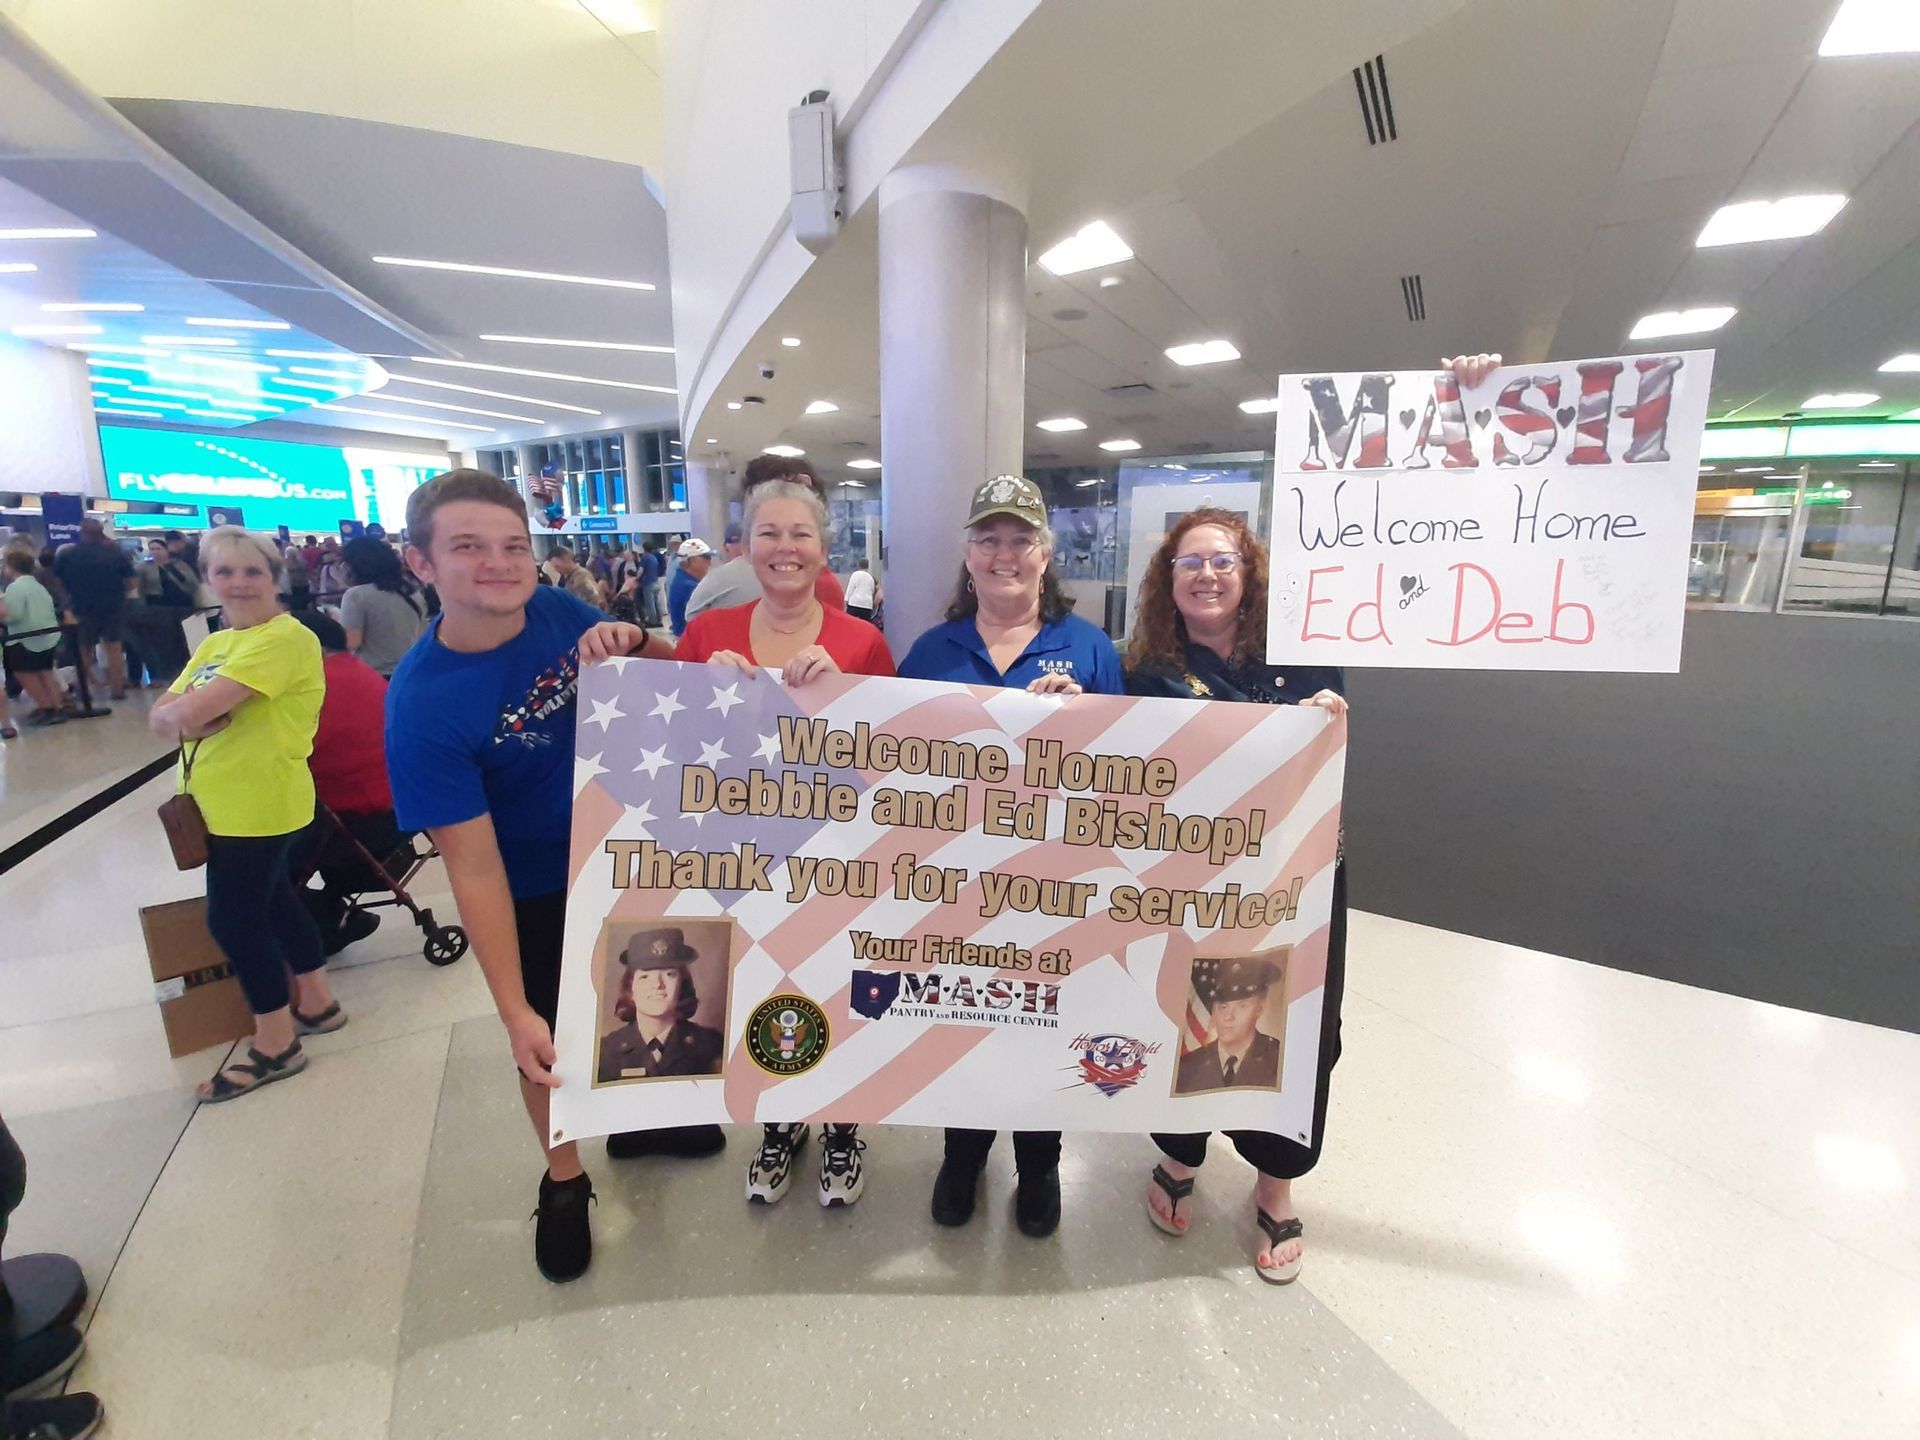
x: 771, y: 1170
x: 841, y: 1176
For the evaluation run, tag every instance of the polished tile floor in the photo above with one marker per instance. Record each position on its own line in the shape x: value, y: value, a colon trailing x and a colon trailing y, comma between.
x: 1557, y: 1200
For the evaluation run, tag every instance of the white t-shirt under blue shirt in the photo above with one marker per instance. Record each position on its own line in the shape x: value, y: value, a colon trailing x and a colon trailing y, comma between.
x: 492, y: 734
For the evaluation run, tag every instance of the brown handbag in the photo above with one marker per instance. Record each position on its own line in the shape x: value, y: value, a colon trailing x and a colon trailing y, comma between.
x: 186, y: 827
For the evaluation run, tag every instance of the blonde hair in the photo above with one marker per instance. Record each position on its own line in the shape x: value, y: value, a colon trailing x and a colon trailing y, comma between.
x: 233, y: 537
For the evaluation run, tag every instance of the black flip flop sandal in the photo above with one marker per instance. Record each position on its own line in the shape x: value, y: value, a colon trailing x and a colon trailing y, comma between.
x: 1278, y: 1233
x: 1175, y: 1191
x: 265, y: 1069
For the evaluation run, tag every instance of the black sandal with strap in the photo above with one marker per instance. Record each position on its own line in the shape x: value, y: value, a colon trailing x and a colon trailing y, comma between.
x: 1175, y: 1191
x: 265, y: 1069
x: 1278, y: 1232
x: 325, y: 1023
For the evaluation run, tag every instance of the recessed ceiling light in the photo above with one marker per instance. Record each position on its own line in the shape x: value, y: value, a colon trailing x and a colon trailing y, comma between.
x: 223, y: 415
x: 510, y: 273
x: 822, y: 407
x: 1107, y: 282
x: 1880, y: 464
x: 580, y: 344
x: 1782, y: 219
x: 491, y: 394
x: 77, y: 307
x: 1839, y: 400
x: 1203, y: 352
x: 1708, y: 469
x: 47, y: 233
x: 18, y: 267
x: 543, y: 374
x: 99, y: 364
x: 1118, y: 445
x: 854, y: 484
x: 304, y: 384
x: 1062, y: 423
x: 1266, y: 405
x: 1753, y: 469
x: 1088, y: 249
x: 220, y: 324
x: 337, y: 356
x: 863, y: 464
x: 122, y: 410
x: 792, y: 342
x: 94, y: 347
x: 733, y: 404
x: 201, y: 396
x: 1902, y: 363
x: 226, y: 362
x: 318, y: 374
x: 28, y: 331
x: 1873, y: 27
x: 432, y: 422
x: 180, y: 340
x: 1681, y: 322
x: 711, y: 441
x: 789, y: 452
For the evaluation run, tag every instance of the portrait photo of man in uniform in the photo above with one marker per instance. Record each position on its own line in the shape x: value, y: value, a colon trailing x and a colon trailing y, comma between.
x: 663, y: 991
x: 1238, y: 996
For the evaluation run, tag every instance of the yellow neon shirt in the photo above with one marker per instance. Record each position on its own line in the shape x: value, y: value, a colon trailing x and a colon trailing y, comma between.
x: 252, y: 778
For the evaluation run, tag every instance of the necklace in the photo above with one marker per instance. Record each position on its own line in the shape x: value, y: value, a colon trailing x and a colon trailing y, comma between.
x: 812, y: 616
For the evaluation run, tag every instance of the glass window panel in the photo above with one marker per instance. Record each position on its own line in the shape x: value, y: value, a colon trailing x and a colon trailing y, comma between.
x: 1843, y: 558
x: 1903, y: 579
x: 1742, y: 524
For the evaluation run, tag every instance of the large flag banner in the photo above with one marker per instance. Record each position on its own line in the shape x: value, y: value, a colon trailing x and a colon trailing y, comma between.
x: 881, y: 900
x: 1540, y: 521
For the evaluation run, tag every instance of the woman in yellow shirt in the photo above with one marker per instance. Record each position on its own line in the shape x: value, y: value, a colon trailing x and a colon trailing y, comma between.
x: 244, y: 711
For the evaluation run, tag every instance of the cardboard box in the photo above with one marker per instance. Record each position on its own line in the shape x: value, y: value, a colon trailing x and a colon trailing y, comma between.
x: 200, y: 1000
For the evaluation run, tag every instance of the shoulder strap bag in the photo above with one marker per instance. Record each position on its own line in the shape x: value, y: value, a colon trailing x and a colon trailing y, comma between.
x: 180, y: 817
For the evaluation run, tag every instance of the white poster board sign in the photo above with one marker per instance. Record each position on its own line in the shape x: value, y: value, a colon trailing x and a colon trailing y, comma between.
x: 1540, y: 521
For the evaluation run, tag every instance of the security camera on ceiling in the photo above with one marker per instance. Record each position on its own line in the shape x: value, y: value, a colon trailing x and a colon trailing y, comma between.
x: 766, y: 369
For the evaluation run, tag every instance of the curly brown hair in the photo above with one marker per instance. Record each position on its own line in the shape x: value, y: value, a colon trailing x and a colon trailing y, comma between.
x: 1160, y: 634
x: 685, y: 1004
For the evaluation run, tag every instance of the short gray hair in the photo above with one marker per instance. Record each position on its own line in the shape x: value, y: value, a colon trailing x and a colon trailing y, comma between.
x: 233, y: 537
x: 785, y: 490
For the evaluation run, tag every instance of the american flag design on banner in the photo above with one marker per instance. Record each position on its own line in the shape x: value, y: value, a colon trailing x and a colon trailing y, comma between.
x: 959, y: 1039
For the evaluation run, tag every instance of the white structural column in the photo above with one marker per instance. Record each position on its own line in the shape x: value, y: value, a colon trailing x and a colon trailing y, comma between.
x: 707, y: 501
x: 953, y: 332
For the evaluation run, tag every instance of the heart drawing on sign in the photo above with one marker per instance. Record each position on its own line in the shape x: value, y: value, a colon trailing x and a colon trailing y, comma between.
x: 1406, y: 419
x: 1407, y: 582
x: 1564, y: 414
x: 1481, y: 417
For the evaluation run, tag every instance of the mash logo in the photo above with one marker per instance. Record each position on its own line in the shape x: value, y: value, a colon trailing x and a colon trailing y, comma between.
x: 1112, y: 1063
x: 955, y: 996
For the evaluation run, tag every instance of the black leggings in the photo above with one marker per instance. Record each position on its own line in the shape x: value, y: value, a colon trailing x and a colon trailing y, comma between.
x: 256, y: 919
x: 1276, y: 1155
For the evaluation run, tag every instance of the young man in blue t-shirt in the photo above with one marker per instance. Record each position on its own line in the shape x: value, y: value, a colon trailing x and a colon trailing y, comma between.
x: 480, y: 730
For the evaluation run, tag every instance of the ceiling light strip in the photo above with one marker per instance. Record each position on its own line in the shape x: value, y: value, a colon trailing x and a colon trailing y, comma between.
x: 542, y: 374
x: 510, y: 273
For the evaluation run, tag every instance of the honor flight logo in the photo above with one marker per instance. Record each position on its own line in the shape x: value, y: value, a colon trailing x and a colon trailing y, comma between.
x: 955, y: 996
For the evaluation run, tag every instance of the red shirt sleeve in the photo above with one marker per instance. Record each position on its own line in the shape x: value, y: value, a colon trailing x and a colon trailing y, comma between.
x: 827, y: 588
x: 856, y: 647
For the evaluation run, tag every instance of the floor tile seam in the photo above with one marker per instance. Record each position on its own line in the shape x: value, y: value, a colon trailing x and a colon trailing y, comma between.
x: 413, y: 1239
x: 1649, y: 1146
x: 159, y: 1174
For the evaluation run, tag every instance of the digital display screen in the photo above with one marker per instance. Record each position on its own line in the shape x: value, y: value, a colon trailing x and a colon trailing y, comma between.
x: 307, y: 488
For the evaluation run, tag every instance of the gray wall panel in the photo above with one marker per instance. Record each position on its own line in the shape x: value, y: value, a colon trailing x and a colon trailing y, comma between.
x: 1750, y: 825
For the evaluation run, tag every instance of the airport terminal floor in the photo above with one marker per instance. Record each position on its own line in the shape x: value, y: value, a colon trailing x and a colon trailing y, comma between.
x: 1556, y: 1200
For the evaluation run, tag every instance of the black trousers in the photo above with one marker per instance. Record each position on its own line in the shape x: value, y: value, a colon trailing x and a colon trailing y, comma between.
x: 13, y: 1185
x: 1276, y: 1155
x: 256, y: 919
x: 321, y: 850
x: 1033, y: 1150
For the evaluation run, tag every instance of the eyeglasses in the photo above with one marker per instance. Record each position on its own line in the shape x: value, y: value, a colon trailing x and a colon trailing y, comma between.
x: 1020, y: 546
x: 1224, y: 563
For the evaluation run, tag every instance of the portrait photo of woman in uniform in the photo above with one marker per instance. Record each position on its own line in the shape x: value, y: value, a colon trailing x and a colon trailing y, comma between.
x: 651, y: 976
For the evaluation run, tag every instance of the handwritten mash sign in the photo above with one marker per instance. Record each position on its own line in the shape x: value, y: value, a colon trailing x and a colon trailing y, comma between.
x: 1540, y: 521
x: 881, y: 900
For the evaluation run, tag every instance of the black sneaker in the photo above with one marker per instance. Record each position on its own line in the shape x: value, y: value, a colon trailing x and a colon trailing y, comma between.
x: 66, y: 1417
x: 40, y: 1361
x: 1036, y: 1203
x: 563, y: 1235
x: 681, y: 1142
x: 357, y: 925
x: 955, y: 1189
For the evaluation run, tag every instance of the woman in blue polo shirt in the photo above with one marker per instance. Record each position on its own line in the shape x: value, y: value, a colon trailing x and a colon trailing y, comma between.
x: 1011, y: 624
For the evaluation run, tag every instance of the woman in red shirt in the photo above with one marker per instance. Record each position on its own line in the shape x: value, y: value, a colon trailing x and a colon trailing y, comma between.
x: 788, y: 629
